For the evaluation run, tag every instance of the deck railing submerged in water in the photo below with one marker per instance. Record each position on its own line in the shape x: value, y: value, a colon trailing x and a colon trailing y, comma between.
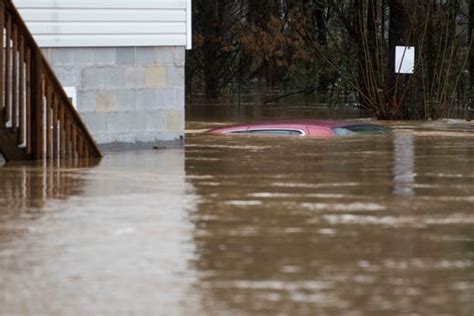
x: 37, y: 119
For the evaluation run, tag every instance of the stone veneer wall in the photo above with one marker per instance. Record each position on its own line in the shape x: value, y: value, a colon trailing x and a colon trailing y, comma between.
x: 126, y: 95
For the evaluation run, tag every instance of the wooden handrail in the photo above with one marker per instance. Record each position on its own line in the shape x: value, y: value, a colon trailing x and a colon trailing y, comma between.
x: 34, y: 108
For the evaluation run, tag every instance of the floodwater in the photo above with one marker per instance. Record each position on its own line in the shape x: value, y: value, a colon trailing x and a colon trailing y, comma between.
x: 370, y: 225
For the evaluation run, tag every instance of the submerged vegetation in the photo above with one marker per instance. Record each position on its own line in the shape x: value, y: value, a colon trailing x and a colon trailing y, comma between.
x: 338, y: 48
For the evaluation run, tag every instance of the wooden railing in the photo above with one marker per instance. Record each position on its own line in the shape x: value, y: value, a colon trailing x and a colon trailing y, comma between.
x: 37, y: 119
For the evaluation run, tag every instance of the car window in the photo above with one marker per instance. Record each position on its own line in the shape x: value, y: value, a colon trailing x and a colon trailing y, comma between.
x: 281, y: 132
x: 339, y: 131
x: 360, y: 129
x: 287, y: 132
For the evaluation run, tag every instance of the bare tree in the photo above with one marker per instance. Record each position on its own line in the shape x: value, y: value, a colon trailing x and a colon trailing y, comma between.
x: 471, y: 52
x: 338, y: 45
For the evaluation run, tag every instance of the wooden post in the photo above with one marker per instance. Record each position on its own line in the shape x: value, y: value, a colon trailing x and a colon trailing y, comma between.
x: 73, y: 141
x: 29, y: 98
x: 402, y: 32
x: 54, y: 107
x: 67, y: 137
x: 21, y: 104
x: 49, y: 119
x: 7, y: 74
x: 80, y: 146
x: 14, y: 57
x: 37, y: 107
x: 62, y: 133
x: 2, y: 53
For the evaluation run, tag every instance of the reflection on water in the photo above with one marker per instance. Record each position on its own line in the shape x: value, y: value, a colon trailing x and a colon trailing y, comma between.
x: 404, y: 168
x: 371, y: 225
x: 107, y: 239
x: 350, y: 226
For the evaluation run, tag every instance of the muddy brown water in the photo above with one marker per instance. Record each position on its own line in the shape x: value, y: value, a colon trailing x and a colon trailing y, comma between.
x: 370, y: 225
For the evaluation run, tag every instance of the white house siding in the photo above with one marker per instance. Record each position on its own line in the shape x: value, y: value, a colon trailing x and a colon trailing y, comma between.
x: 108, y: 23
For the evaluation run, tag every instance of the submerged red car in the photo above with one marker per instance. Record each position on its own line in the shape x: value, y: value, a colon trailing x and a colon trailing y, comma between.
x: 311, y: 128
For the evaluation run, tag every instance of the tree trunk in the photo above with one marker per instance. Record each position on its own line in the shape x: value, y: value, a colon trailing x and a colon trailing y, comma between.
x: 471, y: 52
x: 366, y: 19
x: 322, y: 37
x: 360, y: 28
x: 405, y: 97
x: 211, y: 19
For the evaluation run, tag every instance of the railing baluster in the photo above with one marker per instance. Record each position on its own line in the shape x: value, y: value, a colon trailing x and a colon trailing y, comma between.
x: 49, y: 121
x: 86, y: 153
x: 62, y: 131
x: 2, y: 54
x: 21, y: 138
x: 67, y: 137
x: 14, y: 57
x: 29, y: 117
x: 6, y: 116
x: 37, y: 109
x: 73, y: 141
x: 79, y: 146
x: 55, y: 128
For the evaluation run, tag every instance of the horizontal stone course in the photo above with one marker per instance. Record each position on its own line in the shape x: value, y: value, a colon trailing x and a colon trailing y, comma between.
x: 126, y: 99
x: 134, y: 77
x: 125, y: 56
x: 146, y: 99
x: 180, y: 97
x: 96, y: 122
x: 105, y: 101
x: 155, y: 76
x: 174, y: 76
x: 87, y: 100
x: 175, y: 120
x: 69, y: 76
x: 155, y: 120
x: 166, y: 98
x: 179, y: 58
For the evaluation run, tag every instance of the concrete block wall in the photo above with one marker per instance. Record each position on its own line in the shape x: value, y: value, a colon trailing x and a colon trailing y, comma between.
x: 126, y: 95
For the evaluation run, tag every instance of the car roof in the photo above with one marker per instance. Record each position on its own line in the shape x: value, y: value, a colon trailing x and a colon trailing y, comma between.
x: 289, y: 124
x: 303, y: 123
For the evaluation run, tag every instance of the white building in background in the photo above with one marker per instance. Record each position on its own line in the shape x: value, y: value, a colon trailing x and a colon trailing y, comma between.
x: 124, y: 61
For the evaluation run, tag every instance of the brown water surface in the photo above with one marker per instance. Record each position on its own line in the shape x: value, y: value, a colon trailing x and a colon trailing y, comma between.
x: 366, y: 225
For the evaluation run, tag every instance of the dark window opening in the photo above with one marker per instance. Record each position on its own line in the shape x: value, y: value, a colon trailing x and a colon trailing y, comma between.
x: 280, y: 132
x: 275, y: 132
x: 360, y: 129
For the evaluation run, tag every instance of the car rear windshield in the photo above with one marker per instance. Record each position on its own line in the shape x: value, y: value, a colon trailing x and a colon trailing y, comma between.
x: 360, y: 129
